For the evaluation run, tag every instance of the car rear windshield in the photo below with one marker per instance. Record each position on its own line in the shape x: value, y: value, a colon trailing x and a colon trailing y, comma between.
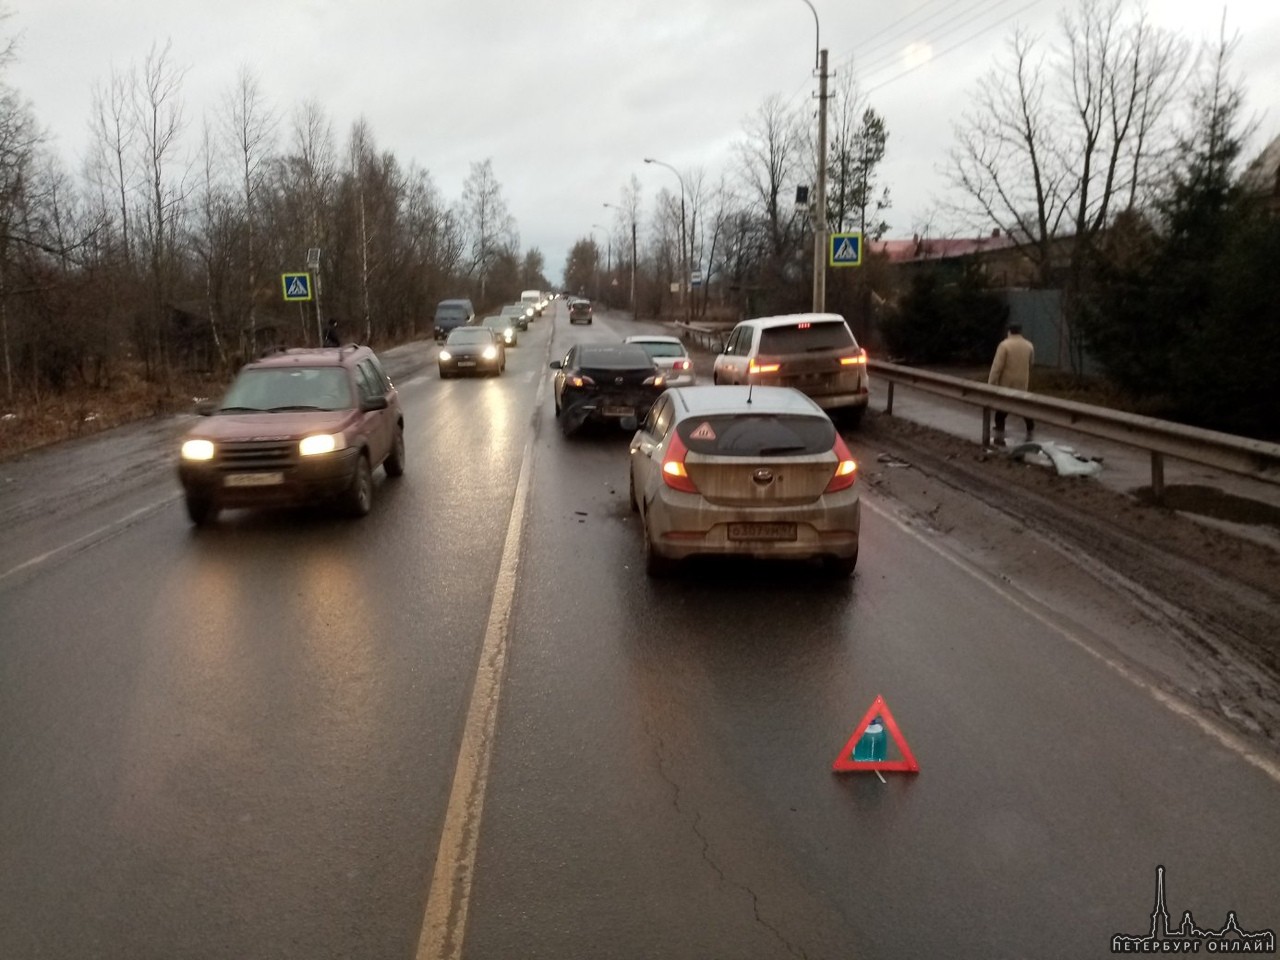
x: 662, y: 349
x: 470, y: 335
x: 497, y: 322
x: 806, y: 337
x: 579, y: 305
x: 271, y: 389
x: 626, y: 357
x: 757, y: 435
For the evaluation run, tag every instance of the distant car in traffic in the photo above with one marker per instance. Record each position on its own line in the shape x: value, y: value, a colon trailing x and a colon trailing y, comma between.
x: 504, y: 327
x: 296, y: 427
x: 451, y: 314
x: 604, y: 383
x: 813, y: 352
x: 518, y: 314
x: 472, y: 350
x: 747, y: 471
x: 670, y: 355
x: 579, y: 311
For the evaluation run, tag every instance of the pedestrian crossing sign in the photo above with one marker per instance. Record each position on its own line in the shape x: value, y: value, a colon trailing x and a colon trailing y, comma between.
x: 297, y: 286
x: 845, y: 249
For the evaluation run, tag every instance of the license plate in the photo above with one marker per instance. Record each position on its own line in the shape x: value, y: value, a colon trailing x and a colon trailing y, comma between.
x: 253, y: 479
x: 619, y: 411
x: 466, y: 363
x: 762, y: 531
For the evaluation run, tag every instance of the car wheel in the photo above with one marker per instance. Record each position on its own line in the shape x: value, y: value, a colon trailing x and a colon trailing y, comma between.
x: 201, y: 510
x: 631, y: 478
x: 360, y: 494
x: 842, y: 567
x: 444, y: 376
x: 851, y: 418
x: 715, y: 379
x: 394, y: 463
x: 656, y: 565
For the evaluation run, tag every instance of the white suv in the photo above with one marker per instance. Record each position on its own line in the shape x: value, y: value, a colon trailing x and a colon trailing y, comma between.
x: 813, y: 352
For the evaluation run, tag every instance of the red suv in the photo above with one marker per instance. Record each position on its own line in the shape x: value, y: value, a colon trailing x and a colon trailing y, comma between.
x: 296, y: 427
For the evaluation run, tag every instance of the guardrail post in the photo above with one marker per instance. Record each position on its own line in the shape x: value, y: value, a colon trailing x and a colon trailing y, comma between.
x: 1157, y: 477
x: 986, y: 427
x: 888, y: 407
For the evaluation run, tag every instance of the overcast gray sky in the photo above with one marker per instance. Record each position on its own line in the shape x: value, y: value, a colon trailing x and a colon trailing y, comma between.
x: 568, y: 96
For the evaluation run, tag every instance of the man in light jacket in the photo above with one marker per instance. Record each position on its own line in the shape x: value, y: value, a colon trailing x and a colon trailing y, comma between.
x: 1012, y: 368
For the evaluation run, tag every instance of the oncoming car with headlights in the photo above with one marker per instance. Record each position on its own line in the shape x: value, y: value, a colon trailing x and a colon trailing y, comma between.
x: 743, y: 471
x: 296, y: 427
x: 472, y: 350
x: 503, y: 327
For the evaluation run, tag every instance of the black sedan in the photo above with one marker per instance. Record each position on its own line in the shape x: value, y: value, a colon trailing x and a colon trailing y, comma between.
x: 472, y: 350
x: 605, y: 383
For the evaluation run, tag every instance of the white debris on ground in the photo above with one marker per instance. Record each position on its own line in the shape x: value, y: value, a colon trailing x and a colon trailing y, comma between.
x: 1064, y: 459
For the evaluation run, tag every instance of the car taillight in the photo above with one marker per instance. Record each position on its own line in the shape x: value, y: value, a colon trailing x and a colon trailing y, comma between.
x: 657, y: 380
x: 674, y: 474
x: 846, y: 467
x: 682, y: 365
x: 581, y: 382
x: 858, y: 358
x: 753, y: 367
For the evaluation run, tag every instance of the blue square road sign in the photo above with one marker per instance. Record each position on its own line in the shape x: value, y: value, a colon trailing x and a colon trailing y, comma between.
x: 297, y: 286
x: 845, y: 249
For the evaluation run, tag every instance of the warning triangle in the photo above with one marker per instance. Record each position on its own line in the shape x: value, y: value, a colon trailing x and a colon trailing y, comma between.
x: 845, y: 251
x: 844, y: 761
x: 297, y: 287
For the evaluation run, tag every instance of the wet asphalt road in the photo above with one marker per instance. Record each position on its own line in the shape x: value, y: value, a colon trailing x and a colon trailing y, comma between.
x: 240, y: 743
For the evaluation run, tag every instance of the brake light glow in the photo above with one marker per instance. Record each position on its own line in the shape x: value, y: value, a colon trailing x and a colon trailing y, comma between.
x: 753, y: 367
x: 804, y: 326
x: 674, y: 475
x: 657, y: 380
x: 846, y: 467
x: 580, y: 381
x: 682, y: 365
x: 858, y: 358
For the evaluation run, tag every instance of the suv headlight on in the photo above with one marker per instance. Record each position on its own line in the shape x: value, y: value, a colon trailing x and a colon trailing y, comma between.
x: 491, y: 353
x: 446, y: 355
x: 197, y: 450
x: 321, y: 443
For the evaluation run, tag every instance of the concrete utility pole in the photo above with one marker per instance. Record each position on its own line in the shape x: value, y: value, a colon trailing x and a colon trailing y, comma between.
x: 820, y: 217
x: 684, y: 250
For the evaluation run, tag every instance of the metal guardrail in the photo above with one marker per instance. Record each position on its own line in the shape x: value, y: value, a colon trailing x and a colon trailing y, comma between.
x: 706, y: 337
x: 1224, y: 451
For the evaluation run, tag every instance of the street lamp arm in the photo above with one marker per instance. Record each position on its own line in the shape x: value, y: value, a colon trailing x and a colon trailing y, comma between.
x: 817, y: 38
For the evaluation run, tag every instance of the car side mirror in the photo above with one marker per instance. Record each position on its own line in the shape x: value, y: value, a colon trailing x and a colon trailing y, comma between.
x: 373, y: 403
x: 206, y: 408
x: 555, y: 365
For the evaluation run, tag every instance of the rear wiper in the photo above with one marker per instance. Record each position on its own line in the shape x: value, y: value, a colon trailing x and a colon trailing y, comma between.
x: 240, y: 410
x: 772, y: 451
x: 300, y: 406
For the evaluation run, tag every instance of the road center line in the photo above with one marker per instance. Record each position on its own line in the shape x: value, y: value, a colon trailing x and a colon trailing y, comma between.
x: 444, y: 925
x: 1227, y: 738
x: 102, y: 533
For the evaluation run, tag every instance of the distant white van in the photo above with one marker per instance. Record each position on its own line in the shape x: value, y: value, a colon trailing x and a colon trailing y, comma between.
x: 533, y: 298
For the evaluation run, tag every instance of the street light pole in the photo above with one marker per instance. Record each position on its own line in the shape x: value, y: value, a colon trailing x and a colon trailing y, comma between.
x: 820, y: 215
x: 684, y: 262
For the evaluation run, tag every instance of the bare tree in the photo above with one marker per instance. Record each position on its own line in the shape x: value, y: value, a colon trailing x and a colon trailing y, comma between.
x: 159, y: 120
x: 114, y: 134
x: 249, y: 124
x: 769, y: 159
x: 490, y: 226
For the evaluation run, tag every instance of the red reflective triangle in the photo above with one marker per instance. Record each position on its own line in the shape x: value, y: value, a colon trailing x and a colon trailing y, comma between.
x: 843, y: 762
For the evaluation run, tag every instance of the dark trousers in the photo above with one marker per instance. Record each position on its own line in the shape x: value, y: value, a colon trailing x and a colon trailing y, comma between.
x: 1000, y: 418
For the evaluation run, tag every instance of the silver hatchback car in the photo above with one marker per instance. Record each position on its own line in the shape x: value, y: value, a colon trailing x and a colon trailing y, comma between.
x: 749, y: 471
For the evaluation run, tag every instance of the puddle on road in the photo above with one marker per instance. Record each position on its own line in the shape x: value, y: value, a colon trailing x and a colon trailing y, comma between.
x: 1211, y: 502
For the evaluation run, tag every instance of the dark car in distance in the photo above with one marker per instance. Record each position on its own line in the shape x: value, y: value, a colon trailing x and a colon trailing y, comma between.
x: 605, y: 383
x: 296, y: 427
x: 472, y: 350
x: 451, y: 314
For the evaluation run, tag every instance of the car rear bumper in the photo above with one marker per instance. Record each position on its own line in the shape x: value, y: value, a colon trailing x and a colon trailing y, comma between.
x: 309, y: 480
x: 686, y: 525
x: 607, y: 407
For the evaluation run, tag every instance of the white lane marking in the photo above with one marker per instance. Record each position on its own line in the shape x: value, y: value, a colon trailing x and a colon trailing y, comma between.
x: 445, y: 922
x: 1176, y: 706
x: 102, y: 533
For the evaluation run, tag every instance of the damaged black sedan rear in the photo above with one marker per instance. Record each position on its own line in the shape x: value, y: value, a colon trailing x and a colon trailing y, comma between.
x: 605, y: 383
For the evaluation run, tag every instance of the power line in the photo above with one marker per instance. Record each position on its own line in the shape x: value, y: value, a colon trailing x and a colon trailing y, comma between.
x: 983, y: 8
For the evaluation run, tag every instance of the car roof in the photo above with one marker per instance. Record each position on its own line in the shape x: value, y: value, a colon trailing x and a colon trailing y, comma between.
x: 791, y: 320
x: 454, y: 303
x: 711, y: 400
x: 312, y: 356
x: 652, y: 338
